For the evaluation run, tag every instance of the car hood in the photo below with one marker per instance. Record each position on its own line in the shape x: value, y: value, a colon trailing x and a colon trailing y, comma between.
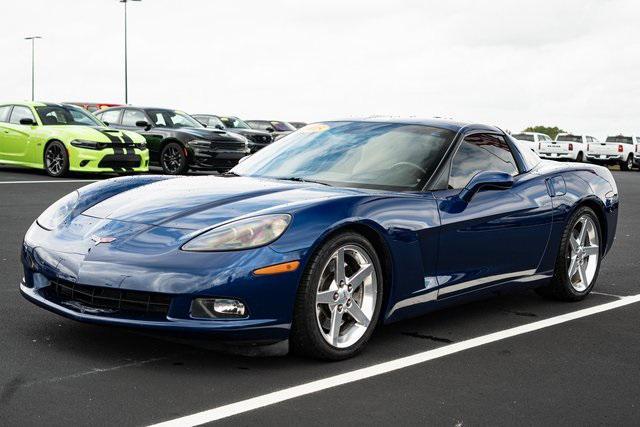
x: 93, y: 133
x: 242, y: 131
x: 212, y: 134
x: 200, y: 202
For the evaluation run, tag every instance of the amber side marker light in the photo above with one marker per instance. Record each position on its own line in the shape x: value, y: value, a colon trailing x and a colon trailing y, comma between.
x: 285, y: 267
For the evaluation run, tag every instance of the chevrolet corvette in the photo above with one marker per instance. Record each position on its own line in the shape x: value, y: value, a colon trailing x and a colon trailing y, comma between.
x: 325, y: 234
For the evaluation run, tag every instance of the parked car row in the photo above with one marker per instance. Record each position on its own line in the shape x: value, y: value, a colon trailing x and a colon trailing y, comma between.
x: 622, y: 150
x: 62, y: 138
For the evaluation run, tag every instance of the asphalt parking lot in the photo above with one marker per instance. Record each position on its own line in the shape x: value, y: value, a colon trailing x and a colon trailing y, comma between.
x: 55, y: 371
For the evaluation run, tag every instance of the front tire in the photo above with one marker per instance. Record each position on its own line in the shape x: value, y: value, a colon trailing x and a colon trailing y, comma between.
x: 173, y: 159
x: 56, y: 159
x: 339, y: 299
x: 578, y: 261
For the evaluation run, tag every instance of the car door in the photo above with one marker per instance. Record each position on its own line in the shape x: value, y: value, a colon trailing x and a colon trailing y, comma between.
x: 16, y: 136
x: 5, y: 110
x: 500, y: 234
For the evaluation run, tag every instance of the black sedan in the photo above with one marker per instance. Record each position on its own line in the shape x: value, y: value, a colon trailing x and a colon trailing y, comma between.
x: 274, y: 127
x: 258, y: 139
x: 178, y: 142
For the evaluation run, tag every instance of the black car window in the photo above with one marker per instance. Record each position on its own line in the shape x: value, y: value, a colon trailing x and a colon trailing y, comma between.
x: 130, y: 117
x: 4, y: 113
x: 111, y: 116
x: 481, y: 152
x: 19, y: 112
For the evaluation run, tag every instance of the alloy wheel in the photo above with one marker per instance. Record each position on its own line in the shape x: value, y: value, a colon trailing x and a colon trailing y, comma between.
x: 346, y: 296
x: 583, y: 253
x: 54, y: 159
x: 172, y: 159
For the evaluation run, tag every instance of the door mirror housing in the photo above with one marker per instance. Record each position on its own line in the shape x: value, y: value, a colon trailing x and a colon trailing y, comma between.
x: 270, y: 129
x: 219, y: 127
x: 486, y: 179
x: 27, y: 122
x: 143, y: 124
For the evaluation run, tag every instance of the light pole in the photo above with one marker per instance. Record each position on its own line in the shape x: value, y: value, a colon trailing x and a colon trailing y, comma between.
x: 126, y: 87
x: 33, y: 64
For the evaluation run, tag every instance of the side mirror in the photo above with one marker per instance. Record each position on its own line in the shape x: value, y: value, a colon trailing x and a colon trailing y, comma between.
x: 143, y: 124
x: 27, y: 122
x: 270, y: 129
x: 244, y: 158
x: 219, y: 127
x: 486, y: 179
x: 106, y: 124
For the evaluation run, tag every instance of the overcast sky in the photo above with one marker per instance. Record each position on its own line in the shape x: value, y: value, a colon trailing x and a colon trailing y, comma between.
x: 574, y: 64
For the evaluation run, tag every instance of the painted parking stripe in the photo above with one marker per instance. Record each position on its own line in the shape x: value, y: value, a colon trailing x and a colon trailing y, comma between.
x: 385, y: 367
x: 53, y: 181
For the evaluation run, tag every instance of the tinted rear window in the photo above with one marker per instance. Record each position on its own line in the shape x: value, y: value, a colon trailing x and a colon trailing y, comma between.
x: 620, y: 139
x: 570, y: 138
x: 523, y: 137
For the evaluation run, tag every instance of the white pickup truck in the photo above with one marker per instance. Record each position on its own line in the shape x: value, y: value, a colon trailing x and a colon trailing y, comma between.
x: 532, y: 139
x: 567, y: 146
x: 616, y: 150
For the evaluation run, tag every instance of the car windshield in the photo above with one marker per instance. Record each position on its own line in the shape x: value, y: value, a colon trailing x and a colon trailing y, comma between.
x: 523, y: 137
x: 234, y: 123
x: 388, y: 156
x: 282, y: 126
x: 55, y: 115
x: 570, y: 138
x: 620, y: 139
x: 172, y: 119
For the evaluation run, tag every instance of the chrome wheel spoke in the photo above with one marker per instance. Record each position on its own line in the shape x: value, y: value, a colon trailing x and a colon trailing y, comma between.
x: 583, y: 231
x: 340, y: 275
x: 357, y: 314
x: 356, y: 280
x: 575, y: 244
x: 583, y: 276
x: 573, y: 266
x: 326, y: 297
x: 591, y: 250
x: 336, y: 322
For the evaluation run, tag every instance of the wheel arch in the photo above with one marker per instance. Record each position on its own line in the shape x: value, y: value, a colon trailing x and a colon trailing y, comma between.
x: 375, y: 237
x: 598, y: 208
x: 46, y: 145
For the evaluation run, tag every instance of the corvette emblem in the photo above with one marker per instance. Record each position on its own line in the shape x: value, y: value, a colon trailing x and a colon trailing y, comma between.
x: 97, y: 239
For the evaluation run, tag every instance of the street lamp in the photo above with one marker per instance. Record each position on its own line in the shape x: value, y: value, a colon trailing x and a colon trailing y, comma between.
x: 126, y: 88
x: 33, y: 62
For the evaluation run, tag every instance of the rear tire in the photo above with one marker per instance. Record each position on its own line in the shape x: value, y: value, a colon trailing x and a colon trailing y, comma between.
x: 333, y: 317
x: 580, y: 157
x: 56, y: 159
x: 173, y: 159
x: 578, y: 261
x: 627, y: 165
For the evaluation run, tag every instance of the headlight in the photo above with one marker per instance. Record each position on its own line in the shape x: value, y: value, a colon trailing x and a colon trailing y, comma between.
x: 242, y: 234
x: 55, y: 214
x: 200, y: 143
x: 91, y: 145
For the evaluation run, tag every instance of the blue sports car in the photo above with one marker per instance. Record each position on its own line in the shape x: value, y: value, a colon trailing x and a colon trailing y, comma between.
x: 323, y: 235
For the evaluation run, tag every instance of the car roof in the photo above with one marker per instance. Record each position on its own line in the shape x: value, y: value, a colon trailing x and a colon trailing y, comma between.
x: 453, y: 125
x: 34, y: 103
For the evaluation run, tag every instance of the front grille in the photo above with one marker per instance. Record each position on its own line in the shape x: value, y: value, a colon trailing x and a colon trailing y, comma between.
x: 117, y: 161
x: 109, y: 301
x: 260, y: 139
x: 228, y: 146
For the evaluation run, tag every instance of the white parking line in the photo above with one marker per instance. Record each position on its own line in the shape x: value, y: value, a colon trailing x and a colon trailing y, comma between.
x: 383, y: 368
x: 56, y: 181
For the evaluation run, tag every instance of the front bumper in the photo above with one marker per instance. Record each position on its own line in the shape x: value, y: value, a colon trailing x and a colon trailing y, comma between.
x: 108, y: 160
x: 176, y: 275
x: 219, y: 160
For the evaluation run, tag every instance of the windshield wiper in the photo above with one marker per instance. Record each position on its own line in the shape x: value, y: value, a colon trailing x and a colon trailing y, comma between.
x: 300, y: 179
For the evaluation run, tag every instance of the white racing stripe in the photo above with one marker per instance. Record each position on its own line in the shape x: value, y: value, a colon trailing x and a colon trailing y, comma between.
x: 57, y: 181
x: 383, y: 368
